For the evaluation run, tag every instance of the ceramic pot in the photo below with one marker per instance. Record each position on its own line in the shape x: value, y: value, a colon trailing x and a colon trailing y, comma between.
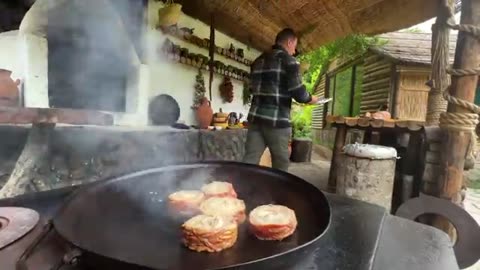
x: 204, y: 114
x: 8, y: 90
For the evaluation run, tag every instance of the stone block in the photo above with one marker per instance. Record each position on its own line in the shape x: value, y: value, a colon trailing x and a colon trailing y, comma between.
x: 223, y: 145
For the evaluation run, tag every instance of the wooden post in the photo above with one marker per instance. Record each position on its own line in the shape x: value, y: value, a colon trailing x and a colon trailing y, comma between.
x: 455, y: 143
x: 340, y: 138
x: 211, y: 54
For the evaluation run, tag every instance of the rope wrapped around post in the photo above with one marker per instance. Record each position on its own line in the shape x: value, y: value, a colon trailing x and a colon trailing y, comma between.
x: 440, y: 59
x: 465, y: 122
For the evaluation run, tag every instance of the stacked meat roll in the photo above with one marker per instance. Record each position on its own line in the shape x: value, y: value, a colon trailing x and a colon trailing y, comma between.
x: 272, y: 222
x: 219, y: 189
x: 209, y: 233
x: 224, y: 206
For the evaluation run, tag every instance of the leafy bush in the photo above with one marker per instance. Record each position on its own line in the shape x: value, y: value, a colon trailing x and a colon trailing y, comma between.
x: 346, y: 48
x: 302, y: 121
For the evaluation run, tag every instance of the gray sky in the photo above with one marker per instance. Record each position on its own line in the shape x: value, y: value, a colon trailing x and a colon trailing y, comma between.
x: 427, y: 26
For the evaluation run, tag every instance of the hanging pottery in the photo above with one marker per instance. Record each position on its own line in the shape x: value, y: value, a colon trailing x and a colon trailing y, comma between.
x: 240, y: 53
x: 204, y: 114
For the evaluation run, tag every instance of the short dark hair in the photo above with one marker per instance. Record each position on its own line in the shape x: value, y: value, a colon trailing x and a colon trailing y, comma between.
x: 285, y: 35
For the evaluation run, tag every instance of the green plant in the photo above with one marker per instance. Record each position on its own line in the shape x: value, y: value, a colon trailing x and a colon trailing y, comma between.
x: 302, y: 121
x: 345, y: 48
x: 200, y: 90
x: 246, y: 94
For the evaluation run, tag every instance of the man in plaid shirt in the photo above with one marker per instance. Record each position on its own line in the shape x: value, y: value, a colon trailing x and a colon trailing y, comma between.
x: 274, y: 80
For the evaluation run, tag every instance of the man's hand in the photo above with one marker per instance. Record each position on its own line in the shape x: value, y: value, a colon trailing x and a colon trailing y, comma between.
x: 314, y: 100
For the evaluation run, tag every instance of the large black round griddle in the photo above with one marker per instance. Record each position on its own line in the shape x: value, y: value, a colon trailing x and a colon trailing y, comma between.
x: 127, y: 219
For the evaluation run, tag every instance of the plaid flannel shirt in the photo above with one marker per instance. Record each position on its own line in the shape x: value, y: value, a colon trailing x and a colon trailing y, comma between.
x: 274, y: 80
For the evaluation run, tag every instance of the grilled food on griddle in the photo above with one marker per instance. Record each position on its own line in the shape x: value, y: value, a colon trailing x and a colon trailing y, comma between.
x: 186, y: 200
x: 224, y: 206
x: 272, y: 222
x: 209, y: 233
x: 219, y: 189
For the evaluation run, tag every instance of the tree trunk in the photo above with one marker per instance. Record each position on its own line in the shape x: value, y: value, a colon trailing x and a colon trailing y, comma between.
x: 366, y: 179
x: 340, y: 137
x: 455, y: 143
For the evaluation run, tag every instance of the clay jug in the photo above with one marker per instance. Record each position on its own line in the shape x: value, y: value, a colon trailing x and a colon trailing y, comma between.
x: 204, y: 114
x: 8, y: 89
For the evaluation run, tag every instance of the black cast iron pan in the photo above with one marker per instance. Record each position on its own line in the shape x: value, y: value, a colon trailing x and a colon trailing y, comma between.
x: 126, y: 219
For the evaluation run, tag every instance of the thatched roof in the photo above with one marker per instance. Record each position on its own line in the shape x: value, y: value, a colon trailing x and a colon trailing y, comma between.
x: 412, y: 48
x: 256, y: 22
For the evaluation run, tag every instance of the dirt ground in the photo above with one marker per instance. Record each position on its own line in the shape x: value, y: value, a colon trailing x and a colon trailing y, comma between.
x: 317, y: 172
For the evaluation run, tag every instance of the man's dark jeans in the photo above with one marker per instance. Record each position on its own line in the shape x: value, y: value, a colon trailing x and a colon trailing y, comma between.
x: 276, y: 139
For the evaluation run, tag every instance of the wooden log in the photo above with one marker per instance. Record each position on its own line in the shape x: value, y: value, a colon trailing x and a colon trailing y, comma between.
x: 431, y: 171
x: 381, y: 96
x: 456, y: 143
x: 377, y: 102
x: 375, y: 137
x: 384, y: 86
x: 376, y: 67
x: 340, y: 137
x: 389, y: 123
x: 374, y: 58
x: 366, y: 179
x: 351, y: 121
x: 331, y: 118
x: 410, y: 125
x: 376, y: 83
x: 412, y: 156
x: 367, y: 136
x: 432, y: 157
x: 375, y: 91
x: 377, y: 123
x: 435, y: 147
x: 340, y: 120
x: 378, y: 75
x: 434, y: 134
x: 370, y: 108
x: 35, y: 152
x: 364, y: 121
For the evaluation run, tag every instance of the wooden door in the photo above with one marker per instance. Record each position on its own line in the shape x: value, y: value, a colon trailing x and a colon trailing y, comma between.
x: 412, y: 96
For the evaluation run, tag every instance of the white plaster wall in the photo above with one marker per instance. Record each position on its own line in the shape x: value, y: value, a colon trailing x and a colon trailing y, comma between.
x: 178, y: 80
x: 35, y: 66
x: 8, y: 49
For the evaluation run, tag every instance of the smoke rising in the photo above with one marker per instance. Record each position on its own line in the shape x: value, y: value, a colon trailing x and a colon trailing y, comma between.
x: 94, y: 48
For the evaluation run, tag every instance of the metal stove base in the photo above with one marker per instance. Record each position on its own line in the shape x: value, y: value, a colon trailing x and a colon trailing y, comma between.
x: 360, y: 237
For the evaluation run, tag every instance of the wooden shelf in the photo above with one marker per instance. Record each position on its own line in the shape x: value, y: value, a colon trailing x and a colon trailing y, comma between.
x: 203, y: 65
x: 365, y: 122
x: 203, y: 43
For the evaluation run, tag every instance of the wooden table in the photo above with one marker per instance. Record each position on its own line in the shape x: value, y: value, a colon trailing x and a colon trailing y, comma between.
x: 343, y: 124
x: 36, y: 149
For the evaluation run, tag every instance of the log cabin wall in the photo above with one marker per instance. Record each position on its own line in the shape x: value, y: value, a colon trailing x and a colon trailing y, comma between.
x: 378, y: 83
x: 319, y: 112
